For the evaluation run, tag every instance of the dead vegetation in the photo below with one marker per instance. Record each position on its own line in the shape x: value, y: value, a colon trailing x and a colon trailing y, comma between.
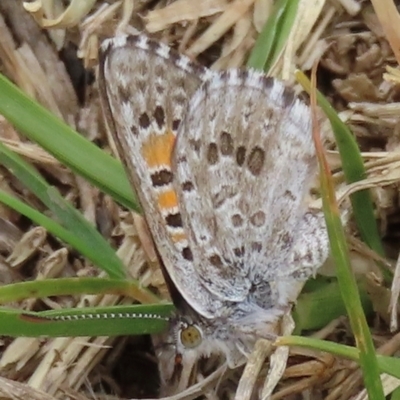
x: 47, y: 64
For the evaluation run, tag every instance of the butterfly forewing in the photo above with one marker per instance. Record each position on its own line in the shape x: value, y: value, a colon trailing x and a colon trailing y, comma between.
x: 145, y: 89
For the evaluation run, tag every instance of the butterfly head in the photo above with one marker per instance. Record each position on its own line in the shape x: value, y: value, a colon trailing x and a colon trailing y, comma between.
x: 188, y: 339
x: 191, y: 337
x: 177, y: 351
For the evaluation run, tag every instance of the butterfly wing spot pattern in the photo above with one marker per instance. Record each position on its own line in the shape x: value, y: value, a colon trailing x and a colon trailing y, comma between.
x: 221, y: 162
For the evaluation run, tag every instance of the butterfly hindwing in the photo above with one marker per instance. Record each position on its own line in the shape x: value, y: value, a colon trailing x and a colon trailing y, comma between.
x: 247, y: 168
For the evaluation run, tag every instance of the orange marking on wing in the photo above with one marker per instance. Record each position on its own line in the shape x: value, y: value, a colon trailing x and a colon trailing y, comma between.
x: 178, y: 237
x: 158, y: 149
x: 167, y: 199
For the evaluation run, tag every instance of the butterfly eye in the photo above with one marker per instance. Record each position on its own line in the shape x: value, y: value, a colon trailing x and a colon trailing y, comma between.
x: 191, y: 336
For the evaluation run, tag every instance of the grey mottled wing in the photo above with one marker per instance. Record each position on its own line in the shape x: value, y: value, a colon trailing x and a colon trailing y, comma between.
x: 243, y: 161
x: 145, y: 88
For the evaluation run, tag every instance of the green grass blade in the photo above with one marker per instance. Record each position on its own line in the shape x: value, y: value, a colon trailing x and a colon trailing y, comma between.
x: 351, y: 298
x: 348, y: 285
x: 75, y: 286
x: 70, y: 148
x: 96, y: 248
x: 95, y: 321
x: 40, y: 219
x: 274, y: 35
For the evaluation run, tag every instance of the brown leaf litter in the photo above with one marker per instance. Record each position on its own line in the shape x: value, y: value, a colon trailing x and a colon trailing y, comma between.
x: 358, y: 74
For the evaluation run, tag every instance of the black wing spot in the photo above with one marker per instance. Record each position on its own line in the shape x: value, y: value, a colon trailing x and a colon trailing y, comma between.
x: 240, y: 155
x: 239, y: 251
x: 258, y: 219
x: 144, y: 121
x: 212, y: 154
x: 134, y: 130
x: 237, y: 220
x: 226, y: 144
x: 162, y: 178
x: 187, y: 186
x: 187, y: 254
x: 255, y: 161
x: 175, y: 124
x: 174, y: 220
x: 215, y: 260
x: 159, y: 116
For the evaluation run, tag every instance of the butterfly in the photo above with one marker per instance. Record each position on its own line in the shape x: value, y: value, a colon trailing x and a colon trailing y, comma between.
x: 222, y: 163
